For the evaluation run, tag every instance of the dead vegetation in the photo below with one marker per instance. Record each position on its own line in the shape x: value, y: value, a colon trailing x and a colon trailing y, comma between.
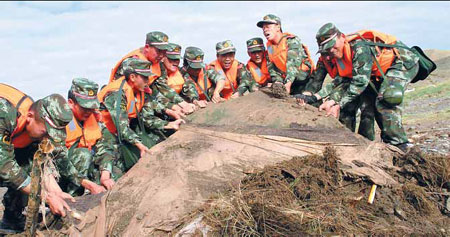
x: 310, y: 196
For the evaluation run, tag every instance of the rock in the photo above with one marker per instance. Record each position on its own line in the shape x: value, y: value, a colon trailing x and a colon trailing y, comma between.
x: 400, y: 214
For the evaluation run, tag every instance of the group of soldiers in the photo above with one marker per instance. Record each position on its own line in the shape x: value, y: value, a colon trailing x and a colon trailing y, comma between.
x: 104, y: 132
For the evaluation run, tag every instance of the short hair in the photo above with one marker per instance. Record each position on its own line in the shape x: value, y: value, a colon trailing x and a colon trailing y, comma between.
x: 34, y: 109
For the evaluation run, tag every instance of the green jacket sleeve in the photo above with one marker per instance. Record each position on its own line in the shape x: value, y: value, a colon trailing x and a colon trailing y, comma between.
x: 316, y: 82
x: 295, y: 56
x: 246, y: 81
x: 10, y: 172
x: 149, y: 118
x: 105, y: 150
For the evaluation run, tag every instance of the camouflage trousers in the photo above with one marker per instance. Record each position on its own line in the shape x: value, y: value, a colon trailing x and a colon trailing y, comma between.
x: 348, y: 115
x: 14, y: 201
x: 388, y: 116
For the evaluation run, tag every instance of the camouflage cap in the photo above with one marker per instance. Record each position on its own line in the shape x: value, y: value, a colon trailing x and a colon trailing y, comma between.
x: 157, y: 39
x: 173, y: 51
x: 194, y: 57
x: 270, y: 18
x: 138, y: 66
x: 255, y: 44
x: 85, y: 93
x: 56, y: 114
x: 326, y: 37
x: 225, y: 47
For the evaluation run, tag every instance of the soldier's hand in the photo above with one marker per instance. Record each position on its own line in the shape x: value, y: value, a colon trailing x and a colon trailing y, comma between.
x: 216, y: 98
x: 269, y: 85
x: 57, y: 204
x: 200, y: 103
x: 175, y: 114
x: 235, y: 95
x: 92, y: 187
x: 105, y: 180
x: 334, y: 111
x: 327, y: 105
x: 174, y: 124
x: 142, y: 148
x: 288, y: 87
x: 305, y: 99
x: 187, y: 108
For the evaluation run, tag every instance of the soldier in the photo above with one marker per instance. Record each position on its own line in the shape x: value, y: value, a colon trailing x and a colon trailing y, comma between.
x: 23, y: 124
x: 92, y: 154
x: 290, y: 62
x: 379, y: 77
x: 257, y: 64
x: 135, y: 110
x: 175, y: 80
x: 334, y: 91
x: 237, y: 78
x: 156, y: 45
x: 204, y: 84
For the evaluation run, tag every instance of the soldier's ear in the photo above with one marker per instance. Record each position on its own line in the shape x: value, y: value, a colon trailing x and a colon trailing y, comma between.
x: 71, y: 103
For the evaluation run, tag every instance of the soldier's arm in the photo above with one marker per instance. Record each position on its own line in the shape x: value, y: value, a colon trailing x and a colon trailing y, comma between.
x: 246, y: 81
x: 105, y: 151
x: 125, y: 131
x: 10, y: 171
x: 160, y: 98
x: 315, y: 84
x: 189, y: 90
x: 149, y: 118
x: 295, y: 56
x: 362, y: 68
x: 165, y: 89
x: 67, y: 169
x: 275, y: 74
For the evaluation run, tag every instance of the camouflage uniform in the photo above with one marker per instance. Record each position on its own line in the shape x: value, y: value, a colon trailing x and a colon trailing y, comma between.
x: 257, y: 45
x: 16, y: 163
x: 193, y: 58
x: 243, y: 78
x: 374, y: 100
x: 82, y: 162
x: 296, y: 55
x: 167, y: 96
x: 153, y: 124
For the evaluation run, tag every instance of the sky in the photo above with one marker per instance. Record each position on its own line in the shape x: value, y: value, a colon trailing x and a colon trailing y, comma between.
x: 44, y: 45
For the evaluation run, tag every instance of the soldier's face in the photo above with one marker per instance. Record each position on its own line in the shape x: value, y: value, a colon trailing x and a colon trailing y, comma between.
x: 35, y: 128
x: 154, y: 54
x: 271, y: 30
x: 226, y: 60
x: 337, y: 51
x: 193, y: 72
x: 139, y: 82
x: 256, y: 57
x: 80, y: 113
x: 171, y: 64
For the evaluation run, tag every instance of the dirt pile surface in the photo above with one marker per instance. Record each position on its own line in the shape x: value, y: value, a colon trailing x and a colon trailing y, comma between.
x: 284, y: 178
x: 310, y: 196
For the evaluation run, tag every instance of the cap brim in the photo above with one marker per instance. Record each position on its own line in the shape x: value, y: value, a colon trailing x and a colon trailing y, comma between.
x: 328, y: 45
x: 255, y: 49
x: 57, y: 135
x: 162, y: 47
x: 196, y: 65
x: 260, y: 23
x: 231, y: 50
x: 173, y: 56
x: 88, y: 103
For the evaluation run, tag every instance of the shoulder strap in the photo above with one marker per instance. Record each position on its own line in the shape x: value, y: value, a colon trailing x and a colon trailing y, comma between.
x: 205, y: 84
x: 118, y: 101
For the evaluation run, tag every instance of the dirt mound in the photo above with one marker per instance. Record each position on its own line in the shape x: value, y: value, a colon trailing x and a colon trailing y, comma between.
x: 260, y: 109
x: 310, y: 195
x: 227, y: 145
x: 436, y: 54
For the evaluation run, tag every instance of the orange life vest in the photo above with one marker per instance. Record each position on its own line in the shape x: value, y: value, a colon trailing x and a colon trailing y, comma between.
x: 200, y: 84
x: 156, y: 69
x: 175, y: 81
x: 261, y: 75
x: 343, y: 67
x: 19, y: 137
x: 88, y: 134
x: 231, y: 84
x: 133, y: 102
x: 278, y: 54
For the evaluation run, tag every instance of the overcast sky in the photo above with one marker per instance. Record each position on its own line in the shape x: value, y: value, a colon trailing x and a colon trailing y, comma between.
x: 43, y: 45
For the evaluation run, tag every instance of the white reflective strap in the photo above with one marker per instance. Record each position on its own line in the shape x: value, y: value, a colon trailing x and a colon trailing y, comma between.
x: 49, y: 121
x: 327, y: 40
